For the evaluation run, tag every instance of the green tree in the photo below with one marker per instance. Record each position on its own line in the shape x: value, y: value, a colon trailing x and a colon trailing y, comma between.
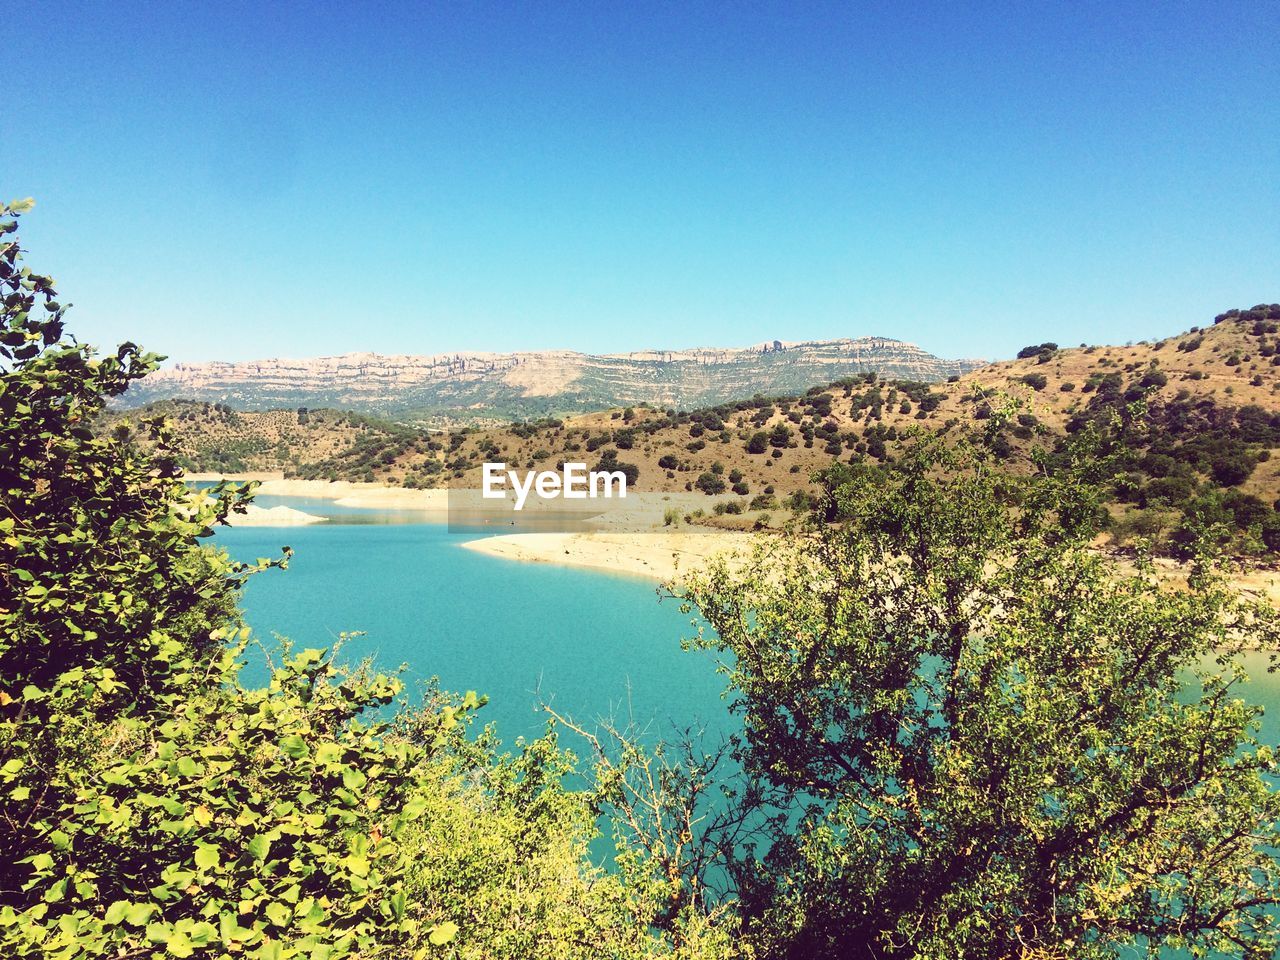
x: 151, y: 805
x: 974, y: 737
x: 106, y: 599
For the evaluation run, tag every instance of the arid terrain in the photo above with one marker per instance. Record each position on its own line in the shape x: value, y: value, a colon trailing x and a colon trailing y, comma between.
x: 490, y: 388
x: 1209, y: 423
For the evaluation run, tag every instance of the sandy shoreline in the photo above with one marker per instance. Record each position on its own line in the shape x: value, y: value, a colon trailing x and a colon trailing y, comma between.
x: 280, y: 516
x: 640, y: 511
x: 665, y: 554
x: 630, y: 539
x: 346, y: 493
x: 659, y: 555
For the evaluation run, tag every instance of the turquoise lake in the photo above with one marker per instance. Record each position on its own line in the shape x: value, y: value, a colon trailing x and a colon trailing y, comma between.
x: 591, y: 644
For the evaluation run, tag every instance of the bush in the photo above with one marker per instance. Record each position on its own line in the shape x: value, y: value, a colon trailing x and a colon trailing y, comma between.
x: 1232, y: 470
x: 895, y: 733
x: 1271, y: 532
x: 1038, y: 350
x: 710, y: 483
x: 155, y: 806
x: 609, y: 462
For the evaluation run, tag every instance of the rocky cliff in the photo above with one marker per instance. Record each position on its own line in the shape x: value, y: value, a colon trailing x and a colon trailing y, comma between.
x: 491, y: 386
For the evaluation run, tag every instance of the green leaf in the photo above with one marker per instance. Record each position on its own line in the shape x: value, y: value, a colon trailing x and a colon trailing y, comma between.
x: 179, y: 945
x: 139, y: 913
x: 259, y: 847
x: 294, y: 746
x: 202, y: 934
x: 207, y: 856
x: 442, y: 933
x: 116, y: 912
x: 329, y: 752
x: 357, y: 864
x: 229, y: 929
x: 41, y: 862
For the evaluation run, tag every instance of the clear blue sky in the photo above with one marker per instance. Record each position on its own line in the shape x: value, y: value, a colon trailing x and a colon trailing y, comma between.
x: 227, y: 181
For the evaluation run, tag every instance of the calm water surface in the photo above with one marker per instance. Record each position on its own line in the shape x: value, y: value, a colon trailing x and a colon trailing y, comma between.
x: 592, y: 644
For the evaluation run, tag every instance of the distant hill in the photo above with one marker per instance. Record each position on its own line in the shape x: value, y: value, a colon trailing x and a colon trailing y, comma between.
x: 493, y: 388
x: 214, y: 438
x: 1206, y: 446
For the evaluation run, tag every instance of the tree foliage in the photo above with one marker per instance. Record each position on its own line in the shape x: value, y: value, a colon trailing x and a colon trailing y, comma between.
x: 151, y: 805
x: 972, y: 736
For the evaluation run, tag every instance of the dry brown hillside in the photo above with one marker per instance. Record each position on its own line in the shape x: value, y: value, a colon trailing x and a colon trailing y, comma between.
x: 1212, y: 423
x: 1233, y: 364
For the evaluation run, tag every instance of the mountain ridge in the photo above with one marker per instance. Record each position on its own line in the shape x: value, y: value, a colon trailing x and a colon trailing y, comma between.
x: 484, y: 386
x: 1199, y: 410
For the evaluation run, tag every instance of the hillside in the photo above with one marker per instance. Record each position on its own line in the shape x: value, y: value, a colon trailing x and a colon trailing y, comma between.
x: 489, y: 388
x: 1213, y: 422
x: 344, y: 445
x: 1206, y: 443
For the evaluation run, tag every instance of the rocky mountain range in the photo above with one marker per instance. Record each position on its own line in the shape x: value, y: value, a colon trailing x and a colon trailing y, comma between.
x: 502, y: 387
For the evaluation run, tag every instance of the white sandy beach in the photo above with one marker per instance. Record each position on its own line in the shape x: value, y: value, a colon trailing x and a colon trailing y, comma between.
x: 279, y: 516
x: 660, y: 555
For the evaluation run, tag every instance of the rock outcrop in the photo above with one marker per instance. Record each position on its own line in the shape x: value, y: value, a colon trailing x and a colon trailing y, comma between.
x: 520, y: 385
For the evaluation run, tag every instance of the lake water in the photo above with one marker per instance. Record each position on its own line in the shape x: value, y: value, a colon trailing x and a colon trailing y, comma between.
x: 591, y: 644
